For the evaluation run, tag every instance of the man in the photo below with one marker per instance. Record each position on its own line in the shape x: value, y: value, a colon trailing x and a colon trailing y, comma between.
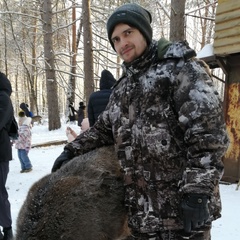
x: 6, y: 116
x: 165, y: 119
x: 98, y: 100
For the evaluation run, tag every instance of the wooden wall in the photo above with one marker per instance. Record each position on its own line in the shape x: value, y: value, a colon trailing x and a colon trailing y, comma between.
x: 232, y: 100
x: 227, y: 28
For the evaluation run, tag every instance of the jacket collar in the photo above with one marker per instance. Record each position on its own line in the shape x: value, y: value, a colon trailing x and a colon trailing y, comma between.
x: 157, y: 51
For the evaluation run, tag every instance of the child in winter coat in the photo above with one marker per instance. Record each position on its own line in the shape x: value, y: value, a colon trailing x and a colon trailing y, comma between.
x: 23, y: 143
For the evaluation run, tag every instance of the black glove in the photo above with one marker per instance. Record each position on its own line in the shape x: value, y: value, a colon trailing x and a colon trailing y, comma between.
x: 64, y: 157
x: 195, y: 211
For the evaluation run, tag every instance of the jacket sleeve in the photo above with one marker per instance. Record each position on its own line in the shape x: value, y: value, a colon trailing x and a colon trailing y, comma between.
x: 97, y: 136
x: 201, y: 117
x: 90, y: 112
x: 5, y: 110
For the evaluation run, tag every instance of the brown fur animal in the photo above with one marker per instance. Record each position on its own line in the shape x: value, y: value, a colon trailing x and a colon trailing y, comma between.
x: 84, y: 200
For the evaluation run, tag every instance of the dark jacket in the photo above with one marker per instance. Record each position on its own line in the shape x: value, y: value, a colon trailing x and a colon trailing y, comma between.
x: 81, y: 113
x: 6, y: 115
x: 98, y: 100
x: 166, y: 121
x: 72, y: 113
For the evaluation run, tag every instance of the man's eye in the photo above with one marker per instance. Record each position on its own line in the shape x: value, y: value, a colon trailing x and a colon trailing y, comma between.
x: 114, y: 40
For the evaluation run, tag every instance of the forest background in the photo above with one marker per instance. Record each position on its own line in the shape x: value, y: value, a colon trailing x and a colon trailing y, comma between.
x: 53, y: 51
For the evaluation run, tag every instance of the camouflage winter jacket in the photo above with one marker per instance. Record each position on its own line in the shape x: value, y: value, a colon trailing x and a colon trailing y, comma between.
x: 165, y: 119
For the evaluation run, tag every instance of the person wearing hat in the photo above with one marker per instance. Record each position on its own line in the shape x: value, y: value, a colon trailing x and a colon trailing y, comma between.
x: 24, y: 141
x: 165, y: 119
x: 98, y: 100
x: 81, y: 113
x: 71, y: 114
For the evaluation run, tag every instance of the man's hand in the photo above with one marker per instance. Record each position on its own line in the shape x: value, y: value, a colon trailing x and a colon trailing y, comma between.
x: 64, y: 157
x: 195, y: 211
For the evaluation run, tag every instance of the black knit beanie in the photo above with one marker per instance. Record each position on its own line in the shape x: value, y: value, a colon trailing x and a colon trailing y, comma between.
x: 134, y: 15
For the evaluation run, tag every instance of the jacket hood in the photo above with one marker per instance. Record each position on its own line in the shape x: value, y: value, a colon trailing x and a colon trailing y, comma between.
x: 5, y: 84
x: 107, y: 80
x: 179, y: 49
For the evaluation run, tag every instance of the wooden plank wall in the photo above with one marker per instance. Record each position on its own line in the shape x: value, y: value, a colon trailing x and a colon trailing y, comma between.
x: 227, y: 28
x: 232, y: 100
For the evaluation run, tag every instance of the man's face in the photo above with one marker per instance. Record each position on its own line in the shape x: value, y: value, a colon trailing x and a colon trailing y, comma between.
x: 128, y: 42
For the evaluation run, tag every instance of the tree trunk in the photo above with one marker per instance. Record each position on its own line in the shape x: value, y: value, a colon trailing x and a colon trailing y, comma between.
x: 72, y: 79
x: 33, y: 98
x: 177, y: 22
x: 52, y: 97
x: 23, y: 56
x: 88, y: 53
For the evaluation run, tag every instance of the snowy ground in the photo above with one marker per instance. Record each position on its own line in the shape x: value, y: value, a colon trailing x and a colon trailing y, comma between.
x: 225, y: 228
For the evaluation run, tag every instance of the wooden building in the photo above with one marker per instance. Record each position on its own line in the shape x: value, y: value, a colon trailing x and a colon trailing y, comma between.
x: 227, y: 28
x: 225, y: 53
x: 226, y: 49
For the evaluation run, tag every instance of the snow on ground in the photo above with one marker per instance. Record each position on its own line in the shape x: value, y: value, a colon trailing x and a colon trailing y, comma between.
x: 18, y: 184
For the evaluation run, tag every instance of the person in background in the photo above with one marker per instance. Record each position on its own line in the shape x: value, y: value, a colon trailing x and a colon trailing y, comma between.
x: 25, y: 108
x: 6, y: 116
x: 81, y: 113
x: 30, y: 112
x: 24, y: 141
x: 98, y: 100
x: 72, y: 111
x: 166, y: 121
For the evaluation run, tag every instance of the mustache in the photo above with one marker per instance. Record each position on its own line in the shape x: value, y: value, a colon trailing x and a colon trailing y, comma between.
x: 125, y: 49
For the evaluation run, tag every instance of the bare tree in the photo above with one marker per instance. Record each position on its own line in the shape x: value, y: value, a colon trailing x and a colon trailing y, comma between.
x: 206, y: 21
x: 21, y: 48
x: 88, y: 53
x: 73, y: 59
x: 52, y: 96
x: 177, y: 20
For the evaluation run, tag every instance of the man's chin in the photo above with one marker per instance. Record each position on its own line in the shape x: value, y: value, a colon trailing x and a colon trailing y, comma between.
x: 128, y: 59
